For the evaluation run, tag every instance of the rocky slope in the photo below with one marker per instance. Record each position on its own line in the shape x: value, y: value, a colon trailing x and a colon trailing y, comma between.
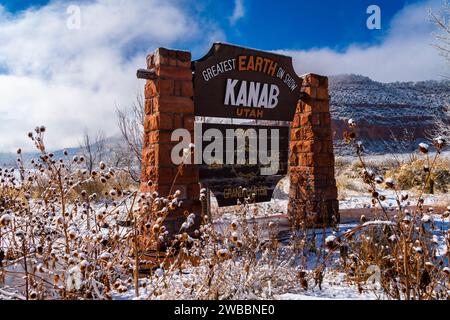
x: 404, y: 110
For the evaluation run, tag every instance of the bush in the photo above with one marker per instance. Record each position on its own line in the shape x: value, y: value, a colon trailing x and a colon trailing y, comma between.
x: 402, y: 248
x: 413, y: 175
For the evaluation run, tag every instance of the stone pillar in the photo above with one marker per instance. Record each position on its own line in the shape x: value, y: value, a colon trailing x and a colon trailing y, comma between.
x: 313, y: 192
x: 169, y: 105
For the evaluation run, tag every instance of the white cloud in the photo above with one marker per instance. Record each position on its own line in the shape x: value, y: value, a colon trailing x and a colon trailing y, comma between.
x: 405, y: 54
x: 238, y: 11
x: 69, y: 80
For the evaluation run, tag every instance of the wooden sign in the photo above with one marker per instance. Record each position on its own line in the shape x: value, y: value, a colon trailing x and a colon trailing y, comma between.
x: 237, y: 82
x: 232, y: 182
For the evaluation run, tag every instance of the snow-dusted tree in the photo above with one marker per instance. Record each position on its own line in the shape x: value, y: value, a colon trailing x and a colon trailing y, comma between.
x: 93, y: 149
x: 131, y: 124
x: 441, y: 19
x: 443, y: 34
x: 441, y: 126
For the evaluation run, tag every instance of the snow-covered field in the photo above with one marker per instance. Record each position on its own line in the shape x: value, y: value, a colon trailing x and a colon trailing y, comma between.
x: 335, y: 284
x: 266, y: 278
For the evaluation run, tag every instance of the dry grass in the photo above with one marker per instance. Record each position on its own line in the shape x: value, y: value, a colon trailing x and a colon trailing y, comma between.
x: 403, y: 247
x: 412, y: 175
x: 62, y: 237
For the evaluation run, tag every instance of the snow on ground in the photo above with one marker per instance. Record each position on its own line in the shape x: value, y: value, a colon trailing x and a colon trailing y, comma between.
x: 335, y: 284
x: 334, y: 287
x: 353, y: 200
x: 358, y: 200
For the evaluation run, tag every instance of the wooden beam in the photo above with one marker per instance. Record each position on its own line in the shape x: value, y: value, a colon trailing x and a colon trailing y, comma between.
x: 149, y: 74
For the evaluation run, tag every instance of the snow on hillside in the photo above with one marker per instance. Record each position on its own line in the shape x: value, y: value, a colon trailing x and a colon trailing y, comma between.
x: 359, y: 97
x: 379, y: 109
x: 404, y: 110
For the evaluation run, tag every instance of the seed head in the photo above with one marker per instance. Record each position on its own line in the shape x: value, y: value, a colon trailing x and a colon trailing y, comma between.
x: 5, y: 220
x: 223, y: 253
x: 234, y: 237
x: 100, y: 216
x: 390, y: 183
x: 379, y: 179
x: 359, y: 144
x: 72, y: 234
x: 33, y: 295
x: 83, y: 265
x: 363, y: 219
x: 423, y: 147
x: 330, y: 242
x: 439, y: 143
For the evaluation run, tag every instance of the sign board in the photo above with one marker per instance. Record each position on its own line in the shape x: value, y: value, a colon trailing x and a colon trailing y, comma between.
x: 262, y: 91
x: 237, y: 82
x: 241, y: 83
x: 228, y: 181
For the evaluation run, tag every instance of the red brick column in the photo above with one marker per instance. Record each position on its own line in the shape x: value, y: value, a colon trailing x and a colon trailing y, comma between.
x: 169, y: 105
x: 313, y: 192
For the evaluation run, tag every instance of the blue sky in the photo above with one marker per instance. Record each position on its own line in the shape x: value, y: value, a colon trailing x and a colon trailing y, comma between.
x: 69, y: 78
x: 302, y: 24
x: 288, y: 24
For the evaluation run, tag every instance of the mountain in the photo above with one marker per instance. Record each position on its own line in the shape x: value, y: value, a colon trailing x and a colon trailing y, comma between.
x: 404, y: 110
x: 10, y: 159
